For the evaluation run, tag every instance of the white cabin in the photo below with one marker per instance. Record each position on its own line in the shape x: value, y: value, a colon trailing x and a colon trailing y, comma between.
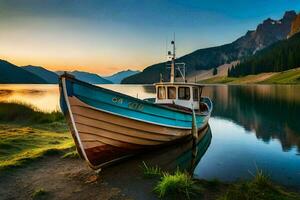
x: 178, y: 93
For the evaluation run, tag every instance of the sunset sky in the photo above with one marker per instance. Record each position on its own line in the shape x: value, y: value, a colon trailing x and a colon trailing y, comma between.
x: 108, y: 36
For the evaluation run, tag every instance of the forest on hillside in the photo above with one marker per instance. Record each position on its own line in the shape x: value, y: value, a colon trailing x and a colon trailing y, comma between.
x: 281, y: 56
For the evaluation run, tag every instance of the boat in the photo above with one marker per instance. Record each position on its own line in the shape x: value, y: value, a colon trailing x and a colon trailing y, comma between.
x: 108, y: 126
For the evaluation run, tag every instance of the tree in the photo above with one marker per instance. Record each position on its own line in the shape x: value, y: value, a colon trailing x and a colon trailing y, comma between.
x: 281, y: 56
x: 215, y: 71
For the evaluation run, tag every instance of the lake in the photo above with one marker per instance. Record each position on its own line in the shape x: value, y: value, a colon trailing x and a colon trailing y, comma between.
x: 252, y: 127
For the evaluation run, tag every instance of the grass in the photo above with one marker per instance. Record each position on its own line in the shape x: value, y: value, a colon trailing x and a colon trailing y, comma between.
x: 23, y: 113
x: 286, y: 77
x: 150, y: 171
x: 22, y: 144
x: 179, y: 185
x: 219, y: 79
x: 39, y: 193
x: 27, y: 134
x: 259, y: 188
x: 71, y: 154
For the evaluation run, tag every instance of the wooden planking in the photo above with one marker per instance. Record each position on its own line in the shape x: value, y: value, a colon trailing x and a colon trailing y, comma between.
x: 87, y: 137
x: 92, y: 144
x: 125, y: 122
x: 114, y: 135
x: 121, y: 129
x: 80, y: 108
x: 105, y: 154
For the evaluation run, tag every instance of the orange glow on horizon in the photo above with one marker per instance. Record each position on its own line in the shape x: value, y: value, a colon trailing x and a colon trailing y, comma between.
x: 101, y: 68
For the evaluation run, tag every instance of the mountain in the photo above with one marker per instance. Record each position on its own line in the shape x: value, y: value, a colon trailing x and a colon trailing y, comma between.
x: 10, y: 73
x: 118, y: 77
x: 49, y: 76
x: 281, y: 56
x: 295, y: 28
x: 87, y: 77
x: 266, y: 33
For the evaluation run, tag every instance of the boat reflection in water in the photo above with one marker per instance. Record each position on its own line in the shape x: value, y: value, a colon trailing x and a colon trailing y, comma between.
x: 184, y: 156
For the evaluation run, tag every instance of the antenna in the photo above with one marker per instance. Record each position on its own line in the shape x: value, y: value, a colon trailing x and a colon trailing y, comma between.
x: 167, y: 46
x: 174, y: 36
x: 175, y: 66
x: 173, y: 61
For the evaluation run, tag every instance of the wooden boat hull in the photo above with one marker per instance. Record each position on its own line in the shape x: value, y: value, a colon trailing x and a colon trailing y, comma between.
x: 103, y: 136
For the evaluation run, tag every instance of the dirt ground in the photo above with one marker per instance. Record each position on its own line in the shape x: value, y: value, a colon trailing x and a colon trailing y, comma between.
x: 73, y: 179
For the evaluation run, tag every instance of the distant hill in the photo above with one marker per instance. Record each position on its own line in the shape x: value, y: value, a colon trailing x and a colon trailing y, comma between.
x: 281, y: 56
x: 49, y: 76
x: 10, y: 73
x: 266, y: 33
x: 87, y: 77
x: 118, y: 77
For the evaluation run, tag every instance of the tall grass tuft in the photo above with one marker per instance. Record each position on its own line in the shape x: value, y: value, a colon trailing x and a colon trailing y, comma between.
x: 150, y: 171
x: 71, y: 154
x: 37, y: 194
x: 178, y: 185
x: 259, y: 188
x: 260, y: 179
x: 19, y: 112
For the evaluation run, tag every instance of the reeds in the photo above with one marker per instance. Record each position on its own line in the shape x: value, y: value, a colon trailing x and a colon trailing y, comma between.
x: 259, y: 188
x: 151, y: 171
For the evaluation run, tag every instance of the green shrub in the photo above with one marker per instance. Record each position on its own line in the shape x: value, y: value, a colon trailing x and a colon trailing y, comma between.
x: 179, y: 185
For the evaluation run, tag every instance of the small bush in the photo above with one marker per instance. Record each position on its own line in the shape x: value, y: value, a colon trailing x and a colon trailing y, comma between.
x: 179, y: 185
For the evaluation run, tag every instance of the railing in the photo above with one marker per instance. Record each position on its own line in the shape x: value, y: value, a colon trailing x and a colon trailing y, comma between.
x: 208, y: 102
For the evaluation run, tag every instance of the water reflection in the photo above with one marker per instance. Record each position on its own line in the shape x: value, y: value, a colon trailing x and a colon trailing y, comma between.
x: 185, y: 155
x: 46, y: 97
x: 42, y: 97
x: 235, y: 152
x: 270, y: 111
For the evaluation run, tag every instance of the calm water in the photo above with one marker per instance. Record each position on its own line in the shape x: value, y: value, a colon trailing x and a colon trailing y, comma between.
x: 252, y: 127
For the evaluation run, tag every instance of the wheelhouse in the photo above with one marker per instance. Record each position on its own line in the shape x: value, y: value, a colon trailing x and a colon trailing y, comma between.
x: 185, y: 95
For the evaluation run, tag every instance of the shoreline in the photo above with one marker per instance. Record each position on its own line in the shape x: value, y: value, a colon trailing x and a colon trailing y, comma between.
x: 71, y: 178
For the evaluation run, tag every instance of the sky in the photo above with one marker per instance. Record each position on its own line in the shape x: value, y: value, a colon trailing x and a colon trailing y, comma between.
x: 108, y: 36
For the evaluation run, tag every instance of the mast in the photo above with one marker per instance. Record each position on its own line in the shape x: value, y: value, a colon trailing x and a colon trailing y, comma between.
x: 173, y: 62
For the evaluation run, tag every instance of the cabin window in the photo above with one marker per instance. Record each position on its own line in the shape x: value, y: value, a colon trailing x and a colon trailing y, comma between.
x: 195, y: 94
x: 184, y: 93
x: 171, y: 92
x: 161, y: 92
